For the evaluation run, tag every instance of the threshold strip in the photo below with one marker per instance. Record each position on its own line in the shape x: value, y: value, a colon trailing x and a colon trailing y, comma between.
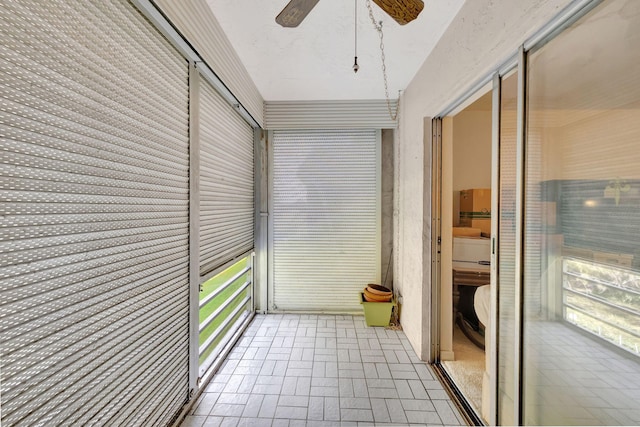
x: 467, y: 411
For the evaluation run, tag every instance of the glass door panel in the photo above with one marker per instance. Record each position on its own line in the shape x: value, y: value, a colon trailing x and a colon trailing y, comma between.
x: 581, y: 291
x: 507, y: 249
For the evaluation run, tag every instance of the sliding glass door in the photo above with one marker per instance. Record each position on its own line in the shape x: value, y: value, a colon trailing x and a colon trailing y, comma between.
x: 507, y: 237
x: 564, y: 333
x: 581, y: 227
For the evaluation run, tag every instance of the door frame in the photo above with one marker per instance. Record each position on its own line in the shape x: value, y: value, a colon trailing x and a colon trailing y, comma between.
x: 432, y: 198
x: 441, y: 243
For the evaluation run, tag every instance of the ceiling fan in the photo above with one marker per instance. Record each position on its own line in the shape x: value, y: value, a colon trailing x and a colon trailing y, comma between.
x: 402, y: 11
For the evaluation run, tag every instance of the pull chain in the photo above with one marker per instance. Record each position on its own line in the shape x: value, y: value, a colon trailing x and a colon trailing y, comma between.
x: 356, y: 67
x: 378, y: 26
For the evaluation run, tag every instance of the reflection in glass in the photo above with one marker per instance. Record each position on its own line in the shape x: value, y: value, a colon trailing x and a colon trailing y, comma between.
x: 507, y: 249
x: 582, y: 224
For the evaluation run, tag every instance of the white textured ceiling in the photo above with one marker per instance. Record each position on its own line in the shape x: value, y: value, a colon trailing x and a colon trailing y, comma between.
x: 314, y: 60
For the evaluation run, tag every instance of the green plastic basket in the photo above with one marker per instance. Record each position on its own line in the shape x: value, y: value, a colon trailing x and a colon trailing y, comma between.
x: 377, y: 313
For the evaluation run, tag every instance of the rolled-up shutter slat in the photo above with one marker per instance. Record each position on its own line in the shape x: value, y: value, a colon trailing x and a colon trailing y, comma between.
x: 226, y: 182
x: 325, y: 218
x: 94, y: 223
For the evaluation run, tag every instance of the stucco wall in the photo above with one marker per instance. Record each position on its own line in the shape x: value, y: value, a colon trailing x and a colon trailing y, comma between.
x: 482, y: 35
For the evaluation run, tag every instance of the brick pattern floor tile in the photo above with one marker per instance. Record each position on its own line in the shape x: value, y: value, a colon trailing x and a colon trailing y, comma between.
x: 322, y: 371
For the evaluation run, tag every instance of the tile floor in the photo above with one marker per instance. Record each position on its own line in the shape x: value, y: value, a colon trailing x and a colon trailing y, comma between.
x: 322, y: 370
x: 574, y: 379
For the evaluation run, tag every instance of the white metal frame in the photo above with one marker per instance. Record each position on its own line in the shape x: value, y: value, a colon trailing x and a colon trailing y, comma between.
x: 433, y: 342
x: 261, y: 218
x: 492, y: 352
x: 270, y: 275
x: 194, y: 224
x: 519, y: 267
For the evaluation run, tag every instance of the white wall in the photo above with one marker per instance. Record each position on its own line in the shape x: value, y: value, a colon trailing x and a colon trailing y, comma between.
x: 471, y: 154
x: 472, y: 150
x: 483, y: 34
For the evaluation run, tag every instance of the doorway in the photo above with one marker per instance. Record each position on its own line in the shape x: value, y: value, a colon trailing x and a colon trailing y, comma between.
x: 466, y: 188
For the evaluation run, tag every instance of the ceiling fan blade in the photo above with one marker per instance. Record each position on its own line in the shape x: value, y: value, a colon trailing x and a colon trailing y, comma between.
x: 295, y: 12
x: 403, y: 11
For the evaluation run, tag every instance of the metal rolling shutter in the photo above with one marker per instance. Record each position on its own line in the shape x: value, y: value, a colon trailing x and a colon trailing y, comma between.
x: 343, y: 114
x: 94, y: 216
x: 196, y: 21
x: 325, y: 218
x: 226, y: 182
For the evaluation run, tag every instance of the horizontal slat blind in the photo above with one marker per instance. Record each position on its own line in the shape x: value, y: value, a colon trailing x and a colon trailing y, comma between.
x: 226, y: 182
x: 350, y: 114
x: 325, y: 218
x: 94, y: 216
